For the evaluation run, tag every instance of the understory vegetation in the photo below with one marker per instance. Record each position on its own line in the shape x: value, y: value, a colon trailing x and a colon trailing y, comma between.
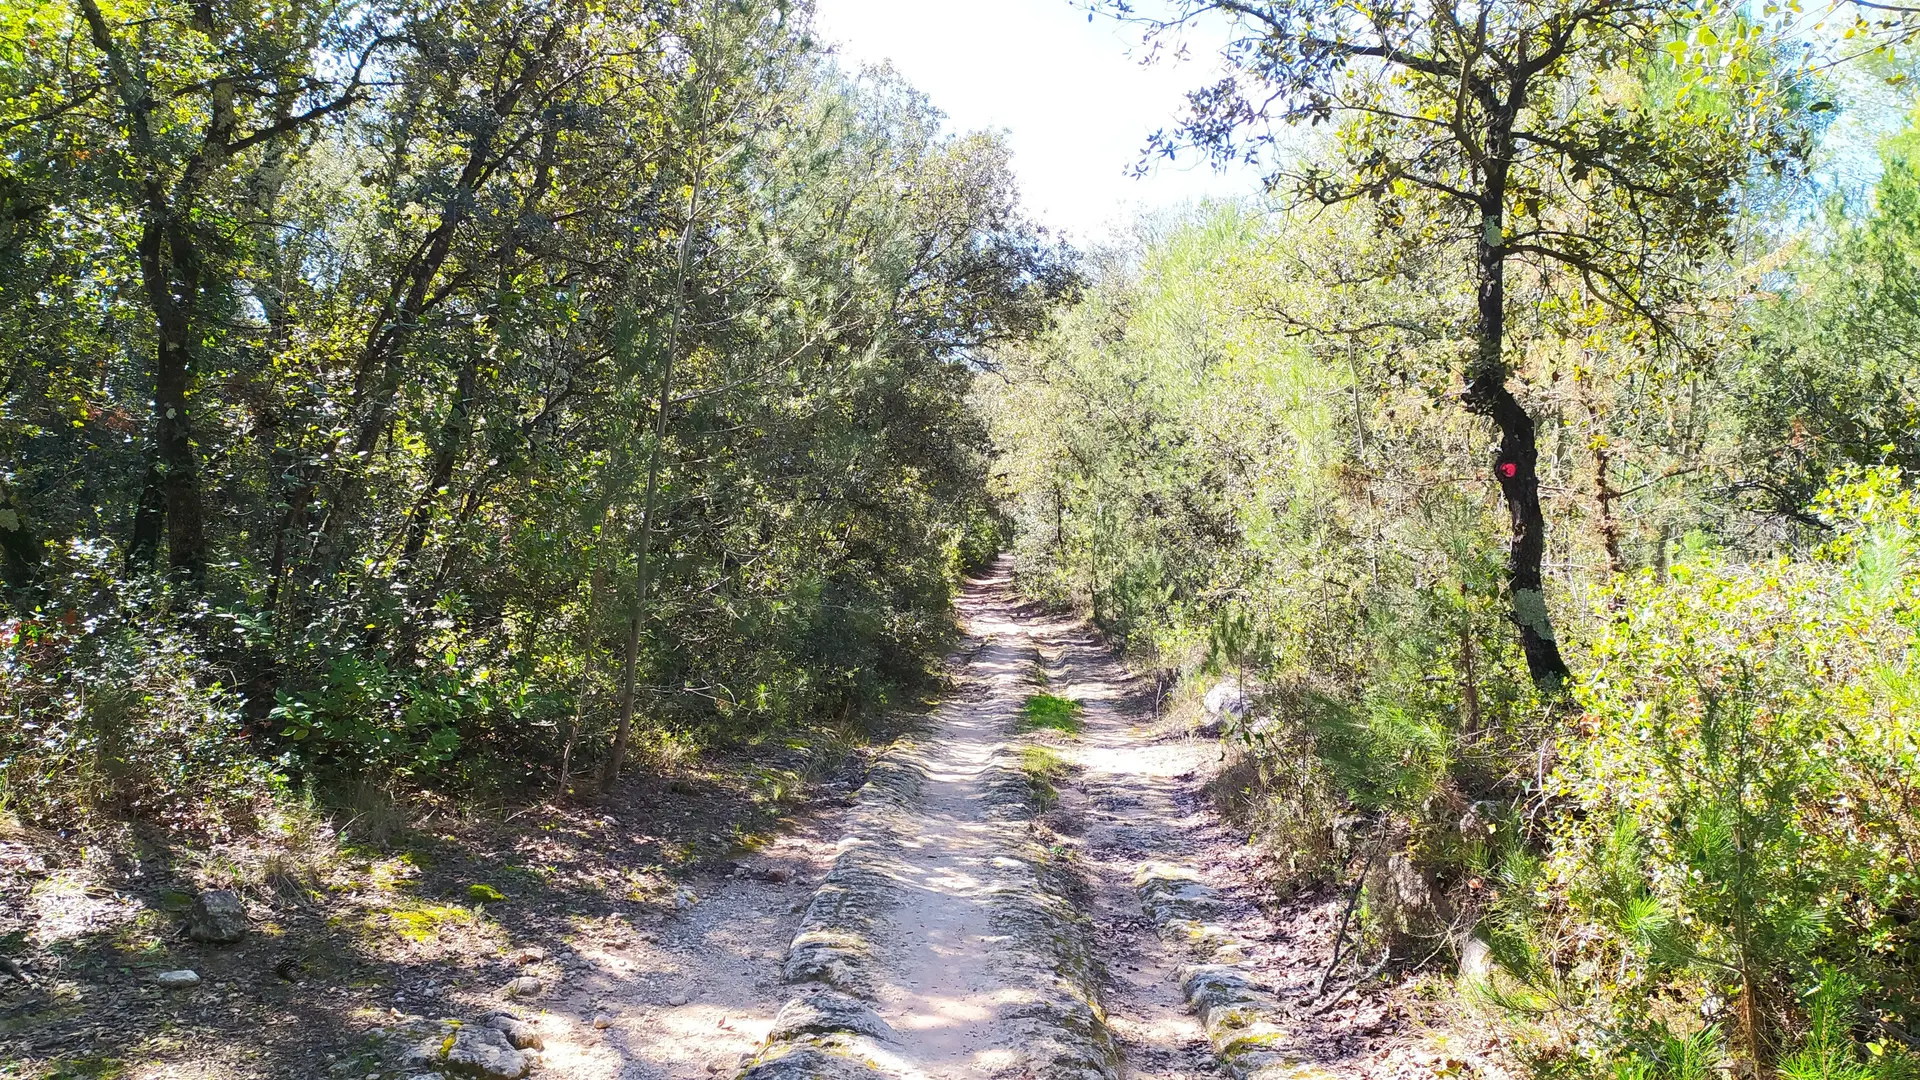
x: 473, y: 397
x: 1577, y: 632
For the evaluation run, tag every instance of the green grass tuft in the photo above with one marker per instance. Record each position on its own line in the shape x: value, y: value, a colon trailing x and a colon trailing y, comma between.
x: 1050, y: 713
x: 1042, y: 767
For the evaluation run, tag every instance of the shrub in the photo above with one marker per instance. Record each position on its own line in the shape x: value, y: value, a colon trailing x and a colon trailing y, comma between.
x: 1739, y: 809
x: 1047, y: 712
x: 107, y: 704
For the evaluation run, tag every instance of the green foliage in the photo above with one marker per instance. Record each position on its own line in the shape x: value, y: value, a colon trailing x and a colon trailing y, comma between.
x: 1187, y: 475
x: 420, y: 334
x: 1045, y: 712
x: 1740, y: 797
x: 110, y: 706
x: 1828, y: 380
x: 1044, y: 768
x: 1680, y: 869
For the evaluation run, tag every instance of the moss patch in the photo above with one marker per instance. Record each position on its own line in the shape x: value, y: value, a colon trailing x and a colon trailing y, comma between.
x: 23, y: 1023
x: 424, y: 922
x: 86, y: 1068
x: 1043, y: 768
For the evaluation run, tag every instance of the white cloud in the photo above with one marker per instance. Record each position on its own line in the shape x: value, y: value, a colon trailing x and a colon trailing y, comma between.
x: 1076, y: 103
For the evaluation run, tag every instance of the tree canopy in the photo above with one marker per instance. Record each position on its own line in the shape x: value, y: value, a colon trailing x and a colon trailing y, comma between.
x: 416, y: 343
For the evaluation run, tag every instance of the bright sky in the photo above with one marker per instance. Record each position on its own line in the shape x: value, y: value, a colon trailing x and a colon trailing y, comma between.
x: 1074, y: 100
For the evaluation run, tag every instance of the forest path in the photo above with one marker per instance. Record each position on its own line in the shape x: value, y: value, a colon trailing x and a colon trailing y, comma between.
x: 936, y: 985
x: 1129, y: 806
x: 993, y: 939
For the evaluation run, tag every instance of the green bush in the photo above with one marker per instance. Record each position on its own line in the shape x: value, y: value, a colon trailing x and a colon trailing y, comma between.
x: 1733, y: 843
x: 108, y: 705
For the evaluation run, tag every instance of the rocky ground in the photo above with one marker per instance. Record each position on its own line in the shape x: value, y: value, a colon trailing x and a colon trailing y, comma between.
x: 993, y: 902
x: 1225, y: 980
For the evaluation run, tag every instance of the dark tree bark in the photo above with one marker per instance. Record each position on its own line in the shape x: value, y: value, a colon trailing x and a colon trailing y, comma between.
x: 453, y: 437
x: 19, y: 547
x: 170, y: 491
x: 172, y: 266
x: 1605, y: 494
x: 458, y: 427
x: 1516, y: 466
x: 169, y: 270
x: 637, y: 615
x: 380, y: 368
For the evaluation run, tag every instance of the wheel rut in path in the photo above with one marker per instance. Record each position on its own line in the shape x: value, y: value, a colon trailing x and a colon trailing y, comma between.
x: 1124, y: 814
x: 938, y: 984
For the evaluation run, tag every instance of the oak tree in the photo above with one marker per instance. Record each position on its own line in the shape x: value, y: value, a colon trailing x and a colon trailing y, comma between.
x: 1574, y: 136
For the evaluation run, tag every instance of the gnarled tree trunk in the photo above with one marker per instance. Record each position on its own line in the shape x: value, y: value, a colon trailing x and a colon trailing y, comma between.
x: 1516, y: 465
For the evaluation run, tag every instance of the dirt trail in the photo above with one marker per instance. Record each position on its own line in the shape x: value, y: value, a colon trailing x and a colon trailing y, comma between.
x: 688, y: 997
x: 965, y: 934
x: 937, y: 986
x: 1130, y: 806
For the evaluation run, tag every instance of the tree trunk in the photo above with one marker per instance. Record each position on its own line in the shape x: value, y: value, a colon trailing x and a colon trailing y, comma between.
x: 596, y: 581
x: 453, y: 435
x: 170, y: 493
x: 1469, y: 677
x: 379, y: 370
x: 1516, y: 465
x: 19, y: 548
x: 636, y: 619
x: 459, y: 423
x: 170, y: 273
x: 637, y: 614
x: 1605, y: 495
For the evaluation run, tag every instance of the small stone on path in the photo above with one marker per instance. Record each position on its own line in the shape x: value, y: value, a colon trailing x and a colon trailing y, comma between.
x: 678, y: 1000
x: 485, y: 1053
x: 178, y: 980
x: 521, y: 1034
x: 218, y: 917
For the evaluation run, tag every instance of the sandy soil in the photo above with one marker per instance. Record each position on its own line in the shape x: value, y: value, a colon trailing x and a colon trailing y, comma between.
x: 937, y: 986
x: 689, y: 995
x: 643, y: 911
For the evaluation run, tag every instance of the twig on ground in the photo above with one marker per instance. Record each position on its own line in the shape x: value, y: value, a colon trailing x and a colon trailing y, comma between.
x: 1353, y: 900
x: 1369, y: 976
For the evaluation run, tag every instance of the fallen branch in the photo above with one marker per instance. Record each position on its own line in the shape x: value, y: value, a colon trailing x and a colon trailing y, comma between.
x: 1371, y: 974
x: 1353, y: 900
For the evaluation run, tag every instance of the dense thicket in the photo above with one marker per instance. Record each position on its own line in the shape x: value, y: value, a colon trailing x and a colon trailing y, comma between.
x: 1254, y: 454
x: 419, y: 393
